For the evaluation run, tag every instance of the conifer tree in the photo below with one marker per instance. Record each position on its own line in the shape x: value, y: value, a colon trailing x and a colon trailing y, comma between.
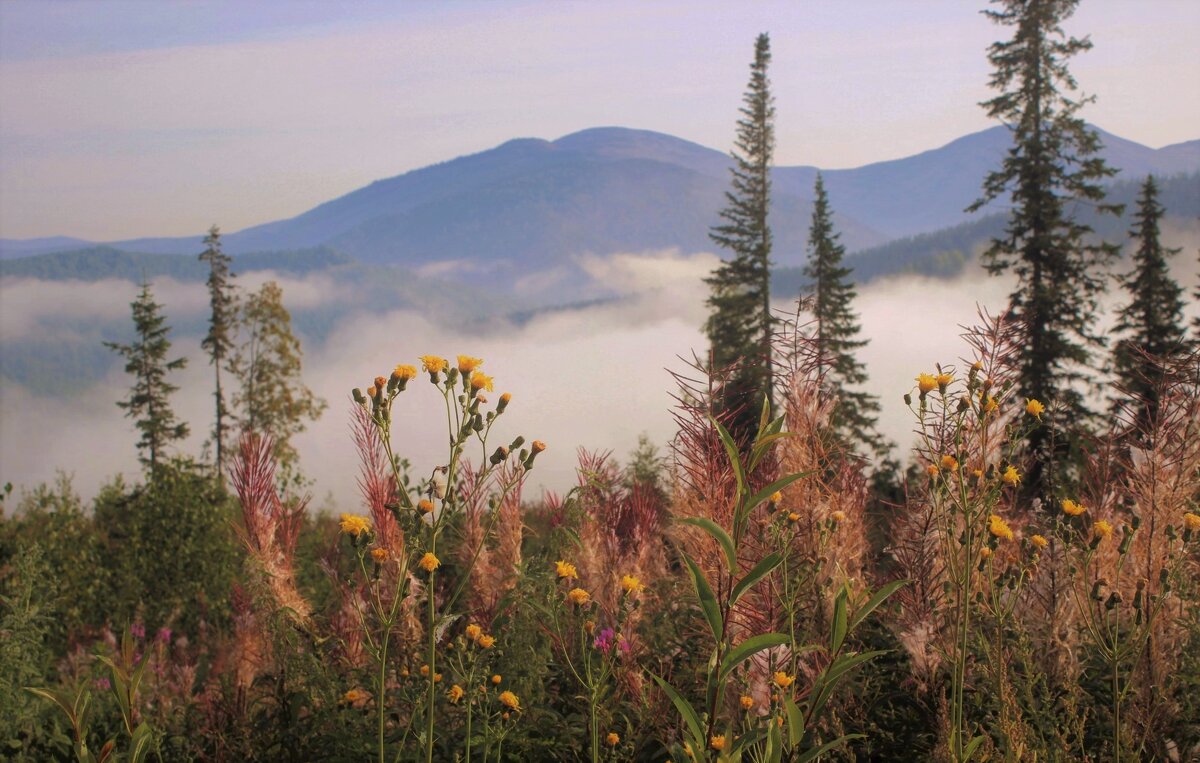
x: 836, y: 330
x: 218, y: 343
x: 739, y: 323
x: 1151, y: 325
x: 1053, y: 163
x: 272, y: 398
x: 149, y: 398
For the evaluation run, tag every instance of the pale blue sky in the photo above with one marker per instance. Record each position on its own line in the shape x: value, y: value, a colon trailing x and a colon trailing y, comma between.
x: 121, y: 119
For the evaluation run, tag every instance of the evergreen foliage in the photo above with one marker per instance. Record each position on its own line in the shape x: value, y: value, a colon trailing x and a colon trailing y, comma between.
x: 218, y: 343
x: 272, y: 398
x: 149, y: 399
x: 836, y: 331
x: 1053, y: 162
x: 739, y: 323
x: 1151, y: 325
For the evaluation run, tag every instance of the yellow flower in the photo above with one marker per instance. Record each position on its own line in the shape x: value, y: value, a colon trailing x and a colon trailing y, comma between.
x: 506, y: 398
x: 425, y: 505
x: 1102, y: 529
x: 717, y: 742
x: 1034, y: 408
x: 509, y: 700
x: 631, y: 584
x: 783, y: 680
x: 404, y: 372
x: 579, y: 596
x: 1039, y: 541
x: 943, y: 381
x: 926, y: 383
x: 1072, y: 509
x: 437, y: 678
x: 1191, y: 521
x: 932, y: 471
x: 467, y: 364
x: 565, y: 570
x: 433, y: 364
x: 380, y: 382
x: 612, y: 739
x: 747, y: 702
x: 1011, y: 476
x: 537, y: 446
x: 793, y: 517
x: 372, y: 391
x: 481, y: 381
x: 355, y: 524
x: 486, y: 642
x: 496, y: 679
x: 985, y: 553
x: 999, y: 528
x: 429, y: 562
x: 949, y: 463
x: 989, y: 403
x: 455, y: 693
x: 838, y: 516
x: 379, y: 554
x: 474, y: 632
x: 425, y: 670
x: 355, y: 695
x: 776, y: 497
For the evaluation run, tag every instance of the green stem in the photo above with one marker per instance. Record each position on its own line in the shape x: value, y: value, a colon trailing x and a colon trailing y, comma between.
x: 380, y: 704
x: 432, y: 695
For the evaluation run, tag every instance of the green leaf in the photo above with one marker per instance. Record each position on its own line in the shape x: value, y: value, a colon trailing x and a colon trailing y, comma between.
x: 139, y: 747
x: 761, y: 570
x: 795, y: 721
x: 816, y: 752
x: 774, y: 487
x: 837, y: 635
x: 59, y: 698
x: 735, y: 458
x: 774, y: 752
x: 876, y: 599
x: 971, y: 747
x: 748, y: 648
x: 686, y: 711
x: 718, y: 533
x: 708, y: 601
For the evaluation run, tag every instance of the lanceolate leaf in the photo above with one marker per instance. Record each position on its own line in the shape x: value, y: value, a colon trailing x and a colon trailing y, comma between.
x: 718, y: 533
x: 816, y: 752
x: 708, y: 601
x: 686, y: 711
x: 748, y: 648
x: 876, y: 599
x: 838, y: 628
x: 735, y: 458
x: 761, y: 570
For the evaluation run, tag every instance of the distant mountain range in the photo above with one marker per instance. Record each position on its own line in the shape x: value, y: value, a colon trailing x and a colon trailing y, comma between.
x: 531, y: 206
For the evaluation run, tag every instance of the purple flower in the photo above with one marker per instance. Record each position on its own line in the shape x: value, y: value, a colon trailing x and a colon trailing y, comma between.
x: 625, y: 646
x: 604, y: 641
x: 138, y: 630
x: 103, y: 684
x: 164, y: 635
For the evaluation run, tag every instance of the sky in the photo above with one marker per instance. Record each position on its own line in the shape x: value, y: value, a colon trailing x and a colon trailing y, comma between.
x: 155, y: 117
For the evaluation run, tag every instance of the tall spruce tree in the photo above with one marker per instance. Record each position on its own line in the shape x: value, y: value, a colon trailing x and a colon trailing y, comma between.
x: 1053, y: 163
x: 836, y: 331
x: 272, y: 398
x: 218, y: 343
x: 739, y: 326
x: 1151, y: 326
x: 149, y: 398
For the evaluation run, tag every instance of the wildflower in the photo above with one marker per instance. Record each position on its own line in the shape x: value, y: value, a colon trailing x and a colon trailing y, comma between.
x: 354, y: 696
x: 506, y: 398
x: 509, y: 700
x: 612, y: 739
x: 486, y: 642
x: 578, y: 596
x: 537, y: 446
x: 838, y: 516
x: 379, y: 554
x: 783, y: 680
x: 1011, y: 476
x: 425, y: 505
x: 988, y: 403
x: 1034, y: 408
x: 425, y: 670
x: 1039, y: 541
x: 437, y: 678
x: 164, y: 635
x: 467, y: 364
x: 496, y: 679
x: 404, y: 372
x: 354, y: 524
x: 455, y: 693
x: 747, y: 702
x: 999, y: 528
x: 1102, y: 529
x: 565, y: 570
x: 977, y: 365
x: 949, y: 463
x: 943, y: 381
x: 932, y: 471
x: 480, y: 381
x: 793, y: 517
x: 380, y: 382
x: 631, y: 584
x: 429, y: 562
x: 433, y: 364
x: 604, y: 641
x: 474, y: 632
x: 372, y: 391
x: 926, y: 383
x: 985, y: 553
x: 1191, y: 521
x: 1072, y: 509
x: 717, y: 742
x: 776, y: 497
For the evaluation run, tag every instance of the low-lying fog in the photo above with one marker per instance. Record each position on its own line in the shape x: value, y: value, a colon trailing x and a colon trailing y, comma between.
x: 594, y: 377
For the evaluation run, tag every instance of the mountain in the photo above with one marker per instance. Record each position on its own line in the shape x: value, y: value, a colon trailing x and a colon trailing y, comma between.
x: 531, y: 206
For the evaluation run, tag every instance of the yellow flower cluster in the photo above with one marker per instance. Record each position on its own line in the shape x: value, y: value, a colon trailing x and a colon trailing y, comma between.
x: 717, y: 742
x: 999, y: 528
x: 1072, y: 509
x: 949, y: 463
x: 380, y: 555
x: 1034, y: 408
x: 467, y: 364
x: 613, y: 739
x: 631, y: 584
x: 579, y: 597
x: 433, y: 364
x: 509, y: 700
x: 455, y: 693
x: 565, y: 570
x: 404, y: 372
x: 429, y: 562
x: 355, y: 524
x: 1039, y: 541
x: 783, y: 680
x: 483, y: 640
x: 1102, y: 529
x: 1010, y: 476
x: 747, y: 702
x: 926, y: 383
x: 1191, y: 521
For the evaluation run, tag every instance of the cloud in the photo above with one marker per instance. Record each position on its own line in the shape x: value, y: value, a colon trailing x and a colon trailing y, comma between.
x: 594, y: 377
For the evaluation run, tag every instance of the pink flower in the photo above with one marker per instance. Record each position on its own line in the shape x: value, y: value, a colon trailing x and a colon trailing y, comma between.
x: 604, y: 641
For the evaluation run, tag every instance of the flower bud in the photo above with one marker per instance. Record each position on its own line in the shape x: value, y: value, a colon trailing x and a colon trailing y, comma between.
x: 358, y: 396
x: 516, y: 443
x: 505, y: 399
x: 500, y: 454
